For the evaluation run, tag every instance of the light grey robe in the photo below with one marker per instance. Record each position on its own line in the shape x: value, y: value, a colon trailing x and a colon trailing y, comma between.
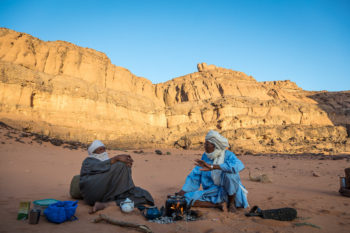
x: 101, y: 181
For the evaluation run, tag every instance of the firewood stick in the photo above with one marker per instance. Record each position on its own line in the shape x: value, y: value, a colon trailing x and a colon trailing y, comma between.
x: 347, y: 177
x: 139, y: 227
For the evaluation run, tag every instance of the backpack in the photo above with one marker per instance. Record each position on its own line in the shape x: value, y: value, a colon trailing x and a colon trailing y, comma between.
x: 75, y: 188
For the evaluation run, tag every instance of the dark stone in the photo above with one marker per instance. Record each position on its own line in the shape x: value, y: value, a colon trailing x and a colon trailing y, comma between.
x: 158, y: 152
x: 184, y: 142
x: 19, y: 140
x: 74, y: 147
x: 3, y: 125
x: 41, y: 138
x: 71, y: 147
x: 56, y: 142
x: 8, y: 135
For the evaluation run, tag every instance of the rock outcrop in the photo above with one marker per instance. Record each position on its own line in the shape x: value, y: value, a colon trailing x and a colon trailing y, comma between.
x: 68, y: 92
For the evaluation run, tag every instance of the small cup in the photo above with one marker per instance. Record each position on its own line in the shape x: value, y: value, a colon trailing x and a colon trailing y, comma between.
x: 34, y: 216
x: 342, y: 182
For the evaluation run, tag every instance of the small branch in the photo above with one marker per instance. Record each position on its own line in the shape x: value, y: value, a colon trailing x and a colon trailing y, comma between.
x: 142, y: 228
x: 298, y: 224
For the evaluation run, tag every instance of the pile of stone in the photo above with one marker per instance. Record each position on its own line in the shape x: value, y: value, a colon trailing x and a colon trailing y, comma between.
x: 167, y: 220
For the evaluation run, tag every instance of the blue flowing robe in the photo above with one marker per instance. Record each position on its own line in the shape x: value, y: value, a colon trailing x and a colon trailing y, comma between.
x: 230, y: 182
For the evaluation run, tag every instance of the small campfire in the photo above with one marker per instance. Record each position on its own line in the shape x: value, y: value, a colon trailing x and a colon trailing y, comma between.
x: 176, y: 209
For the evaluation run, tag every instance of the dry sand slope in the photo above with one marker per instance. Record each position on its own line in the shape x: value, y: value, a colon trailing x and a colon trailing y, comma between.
x: 31, y: 171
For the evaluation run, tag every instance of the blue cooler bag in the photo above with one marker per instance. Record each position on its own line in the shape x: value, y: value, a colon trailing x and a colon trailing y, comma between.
x: 61, y: 211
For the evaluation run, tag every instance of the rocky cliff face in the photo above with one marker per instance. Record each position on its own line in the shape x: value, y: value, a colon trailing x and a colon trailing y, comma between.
x: 73, y: 93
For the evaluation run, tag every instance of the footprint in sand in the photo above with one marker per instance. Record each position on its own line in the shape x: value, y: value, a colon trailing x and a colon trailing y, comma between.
x: 209, y: 231
x: 323, y: 211
x: 293, y: 204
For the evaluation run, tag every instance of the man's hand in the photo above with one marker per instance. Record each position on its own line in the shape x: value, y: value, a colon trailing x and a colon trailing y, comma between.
x: 203, y: 164
x: 123, y: 158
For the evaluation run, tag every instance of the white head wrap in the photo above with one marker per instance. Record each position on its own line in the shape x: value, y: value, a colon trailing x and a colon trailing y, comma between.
x: 217, y: 139
x: 218, y: 155
x: 94, y: 145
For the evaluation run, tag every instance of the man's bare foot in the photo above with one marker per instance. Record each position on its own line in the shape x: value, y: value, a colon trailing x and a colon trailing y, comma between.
x: 231, y: 208
x: 220, y: 207
x: 231, y: 204
x: 98, y: 206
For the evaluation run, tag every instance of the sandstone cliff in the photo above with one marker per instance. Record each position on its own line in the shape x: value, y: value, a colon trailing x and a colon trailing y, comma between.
x: 73, y: 93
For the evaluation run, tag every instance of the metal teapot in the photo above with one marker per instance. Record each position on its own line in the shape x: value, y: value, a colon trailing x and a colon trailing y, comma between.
x: 127, y: 206
x: 150, y: 212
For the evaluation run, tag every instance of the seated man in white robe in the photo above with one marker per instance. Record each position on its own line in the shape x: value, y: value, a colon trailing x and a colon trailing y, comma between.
x: 218, y: 173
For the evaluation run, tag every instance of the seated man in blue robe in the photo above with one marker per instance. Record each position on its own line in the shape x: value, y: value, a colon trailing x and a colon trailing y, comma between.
x: 218, y: 173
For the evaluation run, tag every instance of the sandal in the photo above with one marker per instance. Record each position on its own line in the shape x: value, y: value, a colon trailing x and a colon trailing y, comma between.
x: 282, y: 214
x: 255, y: 211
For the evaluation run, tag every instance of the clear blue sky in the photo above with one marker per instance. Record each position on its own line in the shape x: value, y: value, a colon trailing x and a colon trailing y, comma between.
x: 306, y: 41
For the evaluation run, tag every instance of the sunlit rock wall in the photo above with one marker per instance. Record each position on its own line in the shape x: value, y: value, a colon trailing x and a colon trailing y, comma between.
x: 74, y: 93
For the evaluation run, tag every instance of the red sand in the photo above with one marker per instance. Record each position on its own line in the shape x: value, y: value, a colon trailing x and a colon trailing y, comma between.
x: 30, y: 172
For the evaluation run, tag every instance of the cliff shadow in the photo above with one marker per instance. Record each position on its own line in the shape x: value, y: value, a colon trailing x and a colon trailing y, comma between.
x: 336, y: 105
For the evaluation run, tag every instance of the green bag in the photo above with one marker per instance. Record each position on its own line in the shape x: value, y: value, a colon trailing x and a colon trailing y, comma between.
x: 75, y: 188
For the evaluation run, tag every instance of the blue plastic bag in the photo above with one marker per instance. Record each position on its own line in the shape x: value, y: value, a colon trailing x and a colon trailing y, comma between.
x: 61, y: 211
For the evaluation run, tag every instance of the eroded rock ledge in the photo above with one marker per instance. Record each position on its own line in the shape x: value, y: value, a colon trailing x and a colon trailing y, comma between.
x: 68, y: 92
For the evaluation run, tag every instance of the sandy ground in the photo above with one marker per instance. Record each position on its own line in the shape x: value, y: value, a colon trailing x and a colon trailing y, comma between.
x: 30, y: 171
